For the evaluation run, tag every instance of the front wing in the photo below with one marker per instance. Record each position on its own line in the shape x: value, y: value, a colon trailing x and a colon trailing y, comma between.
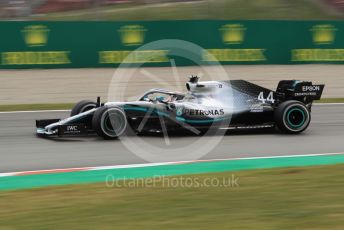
x: 70, y: 126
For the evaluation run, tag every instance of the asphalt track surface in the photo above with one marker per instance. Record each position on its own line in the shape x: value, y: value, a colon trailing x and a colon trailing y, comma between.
x: 21, y: 150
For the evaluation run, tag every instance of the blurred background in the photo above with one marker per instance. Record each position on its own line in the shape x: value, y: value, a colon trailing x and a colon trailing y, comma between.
x: 54, y: 53
x: 169, y: 9
x: 68, y: 42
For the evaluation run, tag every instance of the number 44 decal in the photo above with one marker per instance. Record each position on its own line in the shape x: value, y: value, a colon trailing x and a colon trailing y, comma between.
x: 270, y: 97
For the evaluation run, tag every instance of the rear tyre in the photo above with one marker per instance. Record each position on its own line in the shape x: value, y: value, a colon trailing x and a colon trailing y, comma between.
x: 82, y: 106
x: 109, y: 122
x: 292, y: 117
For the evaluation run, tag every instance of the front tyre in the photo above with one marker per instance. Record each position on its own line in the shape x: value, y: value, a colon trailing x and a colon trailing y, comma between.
x: 109, y: 122
x: 82, y: 106
x: 292, y: 117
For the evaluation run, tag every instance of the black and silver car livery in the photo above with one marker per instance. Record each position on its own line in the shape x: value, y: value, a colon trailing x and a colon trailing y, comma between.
x: 205, y: 105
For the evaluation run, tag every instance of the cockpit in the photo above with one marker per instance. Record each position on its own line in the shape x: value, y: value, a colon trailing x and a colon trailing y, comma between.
x: 162, y: 95
x: 206, y: 93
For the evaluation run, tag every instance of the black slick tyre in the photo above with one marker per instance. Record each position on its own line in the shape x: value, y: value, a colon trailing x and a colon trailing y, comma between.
x: 292, y: 117
x: 82, y: 106
x: 109, y: 122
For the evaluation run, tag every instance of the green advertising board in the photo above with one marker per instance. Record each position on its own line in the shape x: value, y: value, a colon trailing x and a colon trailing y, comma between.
x: 32, y: 44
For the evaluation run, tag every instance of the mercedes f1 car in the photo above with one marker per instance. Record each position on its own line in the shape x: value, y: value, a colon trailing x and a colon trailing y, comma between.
x: 205, y: 105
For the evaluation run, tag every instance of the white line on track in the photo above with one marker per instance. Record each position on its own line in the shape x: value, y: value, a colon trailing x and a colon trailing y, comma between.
x: 156, y: 164
x: 316, y: 104
x: 36, y: 111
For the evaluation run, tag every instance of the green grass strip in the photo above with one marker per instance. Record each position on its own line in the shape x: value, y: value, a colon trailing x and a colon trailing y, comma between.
x: 32, y: 181
x: 300, y: 198
x: 331, y: 100
x: 34, y: 107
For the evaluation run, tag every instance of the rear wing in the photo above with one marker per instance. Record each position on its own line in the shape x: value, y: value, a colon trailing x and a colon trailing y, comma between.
x: 300, y: 90
x: 313, y: 92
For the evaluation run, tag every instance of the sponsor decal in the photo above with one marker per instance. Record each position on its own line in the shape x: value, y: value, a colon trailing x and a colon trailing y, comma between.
x: 36, y: 58
x: 201, y: 112
x: 72, y: 129
x: 257, y: 108
x: 132, y: 35
x: 179, y: 111
x: 232, y: 33
x: 306, y: 94
x: 299, y: 55
x: 323, y: 34
x: 234, y: 55
x: 35, y: 36
x: 310, y: 88
x: 127, y: 56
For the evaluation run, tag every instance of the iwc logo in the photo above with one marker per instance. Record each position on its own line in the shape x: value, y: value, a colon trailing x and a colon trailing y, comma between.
x: 233, y: 33
x: 132, y: 35
x: 36, y: 35
x: 323, y: 34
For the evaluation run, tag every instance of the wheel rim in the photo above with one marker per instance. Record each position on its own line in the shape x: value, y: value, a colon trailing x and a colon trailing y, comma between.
x: 113, y: 122
x: 296, y: 118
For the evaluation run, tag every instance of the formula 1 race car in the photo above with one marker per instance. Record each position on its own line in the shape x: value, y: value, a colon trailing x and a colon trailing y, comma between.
x: 206, y: 105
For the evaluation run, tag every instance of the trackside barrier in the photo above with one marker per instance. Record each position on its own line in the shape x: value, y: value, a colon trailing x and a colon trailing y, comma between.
x: 39, y: 44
